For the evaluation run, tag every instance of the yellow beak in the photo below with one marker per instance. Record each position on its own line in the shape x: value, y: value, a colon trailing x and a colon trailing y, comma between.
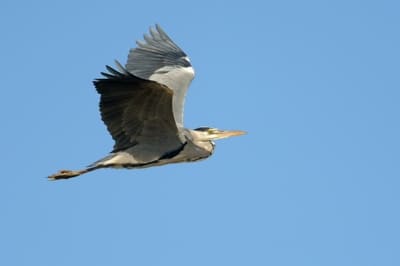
x: 229, y: 133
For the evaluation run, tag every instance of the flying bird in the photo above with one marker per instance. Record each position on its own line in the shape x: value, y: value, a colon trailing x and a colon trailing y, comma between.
x: 142, y: 106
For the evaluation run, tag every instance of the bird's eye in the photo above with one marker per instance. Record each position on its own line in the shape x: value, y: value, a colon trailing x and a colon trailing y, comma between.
x: 212, y: 130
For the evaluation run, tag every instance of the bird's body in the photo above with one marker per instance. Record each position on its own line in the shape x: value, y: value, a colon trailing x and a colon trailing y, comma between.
x: 139, y: 156
x: 142, y: 107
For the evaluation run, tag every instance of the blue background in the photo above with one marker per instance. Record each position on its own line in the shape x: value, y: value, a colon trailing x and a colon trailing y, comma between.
x: 315, y: 181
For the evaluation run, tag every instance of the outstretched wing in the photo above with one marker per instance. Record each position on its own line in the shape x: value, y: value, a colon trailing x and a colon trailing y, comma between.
x: 137, y: 111
x: 159, y: 59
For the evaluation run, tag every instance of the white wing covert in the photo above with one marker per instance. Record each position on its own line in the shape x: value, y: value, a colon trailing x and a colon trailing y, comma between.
x: 159, y: 59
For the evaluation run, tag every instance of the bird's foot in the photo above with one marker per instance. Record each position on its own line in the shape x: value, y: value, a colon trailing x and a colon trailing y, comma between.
x: 65, y: 174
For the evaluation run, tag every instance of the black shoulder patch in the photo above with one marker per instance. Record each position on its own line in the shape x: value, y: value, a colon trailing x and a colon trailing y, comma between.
x: 173, y: 153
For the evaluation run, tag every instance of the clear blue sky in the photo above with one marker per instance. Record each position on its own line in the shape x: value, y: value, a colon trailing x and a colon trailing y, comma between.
x: 315, y: 182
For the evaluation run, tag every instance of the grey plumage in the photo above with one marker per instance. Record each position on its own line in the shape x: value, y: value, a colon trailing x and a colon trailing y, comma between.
x: 154, y: 53
x: 141, y: 105
x: 135, y: 109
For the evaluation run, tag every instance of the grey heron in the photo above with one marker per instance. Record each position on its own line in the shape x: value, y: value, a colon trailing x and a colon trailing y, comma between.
x: 142, y: 104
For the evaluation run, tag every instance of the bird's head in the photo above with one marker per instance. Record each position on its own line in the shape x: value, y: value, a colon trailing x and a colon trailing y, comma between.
x: 209, y: 133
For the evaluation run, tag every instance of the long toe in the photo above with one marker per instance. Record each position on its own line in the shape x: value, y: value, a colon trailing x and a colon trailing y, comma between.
x: 64, y: 174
